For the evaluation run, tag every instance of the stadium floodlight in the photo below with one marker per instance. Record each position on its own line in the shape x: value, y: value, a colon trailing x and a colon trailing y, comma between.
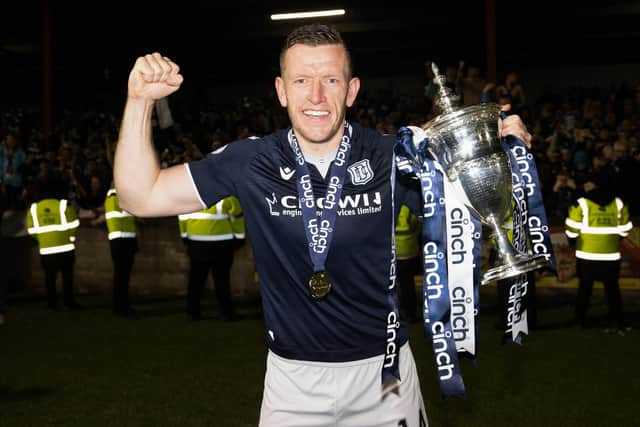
x: 310, y: 14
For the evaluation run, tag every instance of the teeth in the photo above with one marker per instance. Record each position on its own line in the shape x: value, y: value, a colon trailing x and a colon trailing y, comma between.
x: 316, y: 113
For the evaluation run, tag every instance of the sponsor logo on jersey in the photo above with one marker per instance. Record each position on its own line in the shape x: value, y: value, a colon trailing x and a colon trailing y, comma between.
x: 360, y: 172
x: 348, y: 205
x: 286, y: 173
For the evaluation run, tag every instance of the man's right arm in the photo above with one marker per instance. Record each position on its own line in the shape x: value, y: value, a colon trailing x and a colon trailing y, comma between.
x: 143, y: 188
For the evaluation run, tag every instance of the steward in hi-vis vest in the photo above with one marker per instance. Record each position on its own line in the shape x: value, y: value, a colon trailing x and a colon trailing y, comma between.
x: 211, y: 235
x: 123, y: 241
x: 53, y: 223
x: 596, y: 223
x: 407, y: 235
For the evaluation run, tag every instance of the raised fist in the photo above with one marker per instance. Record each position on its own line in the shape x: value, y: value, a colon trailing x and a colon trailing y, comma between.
x: 153, y: 77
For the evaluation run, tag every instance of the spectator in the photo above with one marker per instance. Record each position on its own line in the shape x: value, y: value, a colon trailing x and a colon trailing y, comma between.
x: 53, y: 222
x: 211, y: 236
x: 123, y: 243
x: 12, y: 159
x: 564, y: 195
x: 472, y: 86
x: 595, y: 224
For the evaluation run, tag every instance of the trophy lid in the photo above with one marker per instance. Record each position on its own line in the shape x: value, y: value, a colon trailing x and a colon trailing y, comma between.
x: 446, y: 101
x: 450, y: 113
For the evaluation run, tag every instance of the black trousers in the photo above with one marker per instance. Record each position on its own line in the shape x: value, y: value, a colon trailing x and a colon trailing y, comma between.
x: 206, y: 257
x: 407, y: 269
x: 52, y: 264
x: 123, y: 251
x: 607, y: 272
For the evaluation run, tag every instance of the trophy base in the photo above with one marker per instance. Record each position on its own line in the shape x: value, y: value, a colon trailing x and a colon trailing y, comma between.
x: 521, y: 264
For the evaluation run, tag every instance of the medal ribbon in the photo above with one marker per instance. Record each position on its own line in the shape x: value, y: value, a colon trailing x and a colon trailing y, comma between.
x: 390, y: 365
x: 319, y: 228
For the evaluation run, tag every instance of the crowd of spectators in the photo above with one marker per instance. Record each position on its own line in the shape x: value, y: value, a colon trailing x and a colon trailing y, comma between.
x: 575, y: 134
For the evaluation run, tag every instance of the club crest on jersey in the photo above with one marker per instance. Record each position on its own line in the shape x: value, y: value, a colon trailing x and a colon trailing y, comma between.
x: 360, y: 172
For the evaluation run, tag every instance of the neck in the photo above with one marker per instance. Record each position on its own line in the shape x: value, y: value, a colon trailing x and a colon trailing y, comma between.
x: 320, y: 148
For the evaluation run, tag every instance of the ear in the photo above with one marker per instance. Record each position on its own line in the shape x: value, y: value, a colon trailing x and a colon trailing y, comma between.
x: 280, y: 90
x: 352, y: 92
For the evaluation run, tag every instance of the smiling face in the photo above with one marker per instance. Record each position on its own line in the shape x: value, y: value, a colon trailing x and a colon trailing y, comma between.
x: 316, y: 87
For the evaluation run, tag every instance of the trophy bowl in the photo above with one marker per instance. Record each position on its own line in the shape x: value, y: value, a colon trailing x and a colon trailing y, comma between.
x: 467, y: 144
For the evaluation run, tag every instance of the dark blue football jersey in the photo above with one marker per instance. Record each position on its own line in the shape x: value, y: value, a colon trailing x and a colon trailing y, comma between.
x: 350, y: 323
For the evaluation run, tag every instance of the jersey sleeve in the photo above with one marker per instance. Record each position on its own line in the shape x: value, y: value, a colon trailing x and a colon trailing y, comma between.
x: 237, y: 218
x: 218, y: 174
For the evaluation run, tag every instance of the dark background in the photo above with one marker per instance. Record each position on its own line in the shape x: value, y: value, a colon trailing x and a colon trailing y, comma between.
x: 94, y: 44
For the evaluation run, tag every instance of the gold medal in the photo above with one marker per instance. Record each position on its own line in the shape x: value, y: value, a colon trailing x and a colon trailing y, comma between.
x: 319, y: 284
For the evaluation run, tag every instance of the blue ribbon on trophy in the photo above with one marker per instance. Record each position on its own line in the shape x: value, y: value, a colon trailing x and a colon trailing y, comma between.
x: 436, y: 293
x: 530, y: 234
x: 467, y: 180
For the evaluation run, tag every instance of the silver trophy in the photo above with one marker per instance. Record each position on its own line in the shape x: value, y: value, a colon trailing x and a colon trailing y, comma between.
x: 467, y: 144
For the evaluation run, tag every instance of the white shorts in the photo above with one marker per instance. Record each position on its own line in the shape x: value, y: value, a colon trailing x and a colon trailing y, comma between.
x: 349, y: 394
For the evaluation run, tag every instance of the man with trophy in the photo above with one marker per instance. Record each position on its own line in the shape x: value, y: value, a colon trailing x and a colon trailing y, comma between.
x: 320, y: 201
